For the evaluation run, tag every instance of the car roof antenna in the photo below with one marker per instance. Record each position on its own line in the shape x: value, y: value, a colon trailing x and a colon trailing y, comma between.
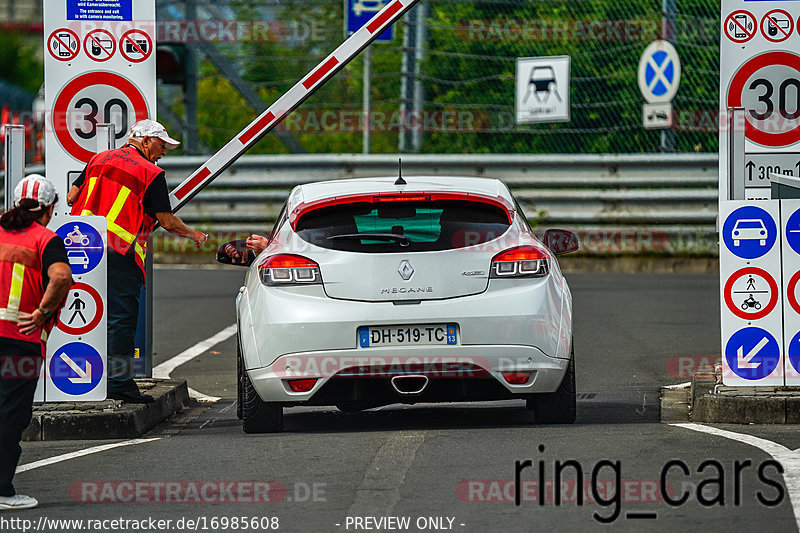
x: 400, y: 180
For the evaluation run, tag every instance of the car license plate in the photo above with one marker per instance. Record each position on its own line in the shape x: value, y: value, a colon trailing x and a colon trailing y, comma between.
x: 423, y: 334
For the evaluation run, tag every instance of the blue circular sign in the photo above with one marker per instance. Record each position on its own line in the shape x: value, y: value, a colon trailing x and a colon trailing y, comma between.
x: 76, y: 369
x: 793, y: 231
x: 793, y: 351
x: 666, y: 73
x: 749, y: 232
x: 84, y: 245
x: 752, y: 353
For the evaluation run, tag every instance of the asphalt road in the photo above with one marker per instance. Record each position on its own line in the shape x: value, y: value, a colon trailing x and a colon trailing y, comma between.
x: 442, y: 468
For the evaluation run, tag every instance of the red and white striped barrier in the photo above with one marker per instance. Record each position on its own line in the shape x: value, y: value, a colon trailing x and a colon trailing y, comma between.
x: 287, y: 103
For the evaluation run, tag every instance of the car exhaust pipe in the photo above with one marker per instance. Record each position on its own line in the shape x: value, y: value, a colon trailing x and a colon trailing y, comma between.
x: 410, y: 385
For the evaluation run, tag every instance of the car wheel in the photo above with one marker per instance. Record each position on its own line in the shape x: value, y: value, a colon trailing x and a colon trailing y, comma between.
x: 239, y: 375
x: 259, y: 416
x: 557, y: 407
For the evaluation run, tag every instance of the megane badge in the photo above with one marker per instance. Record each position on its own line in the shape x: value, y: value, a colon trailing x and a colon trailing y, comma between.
x: 406, y: 270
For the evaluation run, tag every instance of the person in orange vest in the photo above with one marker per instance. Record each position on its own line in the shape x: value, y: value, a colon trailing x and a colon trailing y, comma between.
x: 35, y: 278
x: 125, y: 186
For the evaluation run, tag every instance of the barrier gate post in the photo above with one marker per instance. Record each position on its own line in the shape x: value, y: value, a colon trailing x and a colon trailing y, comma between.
x: 14, y: 158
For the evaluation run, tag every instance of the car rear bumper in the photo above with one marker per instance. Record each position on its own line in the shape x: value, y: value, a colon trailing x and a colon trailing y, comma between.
x: 454, y: 373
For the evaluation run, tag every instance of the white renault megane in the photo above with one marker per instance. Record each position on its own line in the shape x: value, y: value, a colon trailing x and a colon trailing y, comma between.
x: 384, y: 290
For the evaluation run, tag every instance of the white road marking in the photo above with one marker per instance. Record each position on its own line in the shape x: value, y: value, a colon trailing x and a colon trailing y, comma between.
x: 678, y: 386
x: 81, y: 453
x: 379, y: 491
x: 165, y: 369
x: 789, y: 459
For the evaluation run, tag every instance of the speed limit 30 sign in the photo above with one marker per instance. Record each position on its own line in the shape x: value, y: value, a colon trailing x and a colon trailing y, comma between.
x: 99, y: 71
x: 759, y: 75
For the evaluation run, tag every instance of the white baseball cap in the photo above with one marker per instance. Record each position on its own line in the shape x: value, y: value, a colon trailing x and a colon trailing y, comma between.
x: 151, y: 128
x: 35, y: 187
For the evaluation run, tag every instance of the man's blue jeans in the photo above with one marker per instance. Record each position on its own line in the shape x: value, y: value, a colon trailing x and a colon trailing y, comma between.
x: 124, y: 288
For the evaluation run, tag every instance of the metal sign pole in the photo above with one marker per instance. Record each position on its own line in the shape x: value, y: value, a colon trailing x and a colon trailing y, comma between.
x: 736, y: 121
x: 105, y: 137
x: 15, y: 160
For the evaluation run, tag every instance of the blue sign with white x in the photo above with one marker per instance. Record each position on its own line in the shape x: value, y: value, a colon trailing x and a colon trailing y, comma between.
x: 659, y: 72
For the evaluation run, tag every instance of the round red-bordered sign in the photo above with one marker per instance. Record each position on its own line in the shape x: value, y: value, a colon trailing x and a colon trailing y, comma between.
x: 790, y: 292
x: 61, y: 111
x: 772, y: 28
x: 736, y: 26
x: 774, y: 140
x: 131, y: 47
x: 100, y: 45
x: 765, y: 310
x: 64, y: 44
x: 98, y: 314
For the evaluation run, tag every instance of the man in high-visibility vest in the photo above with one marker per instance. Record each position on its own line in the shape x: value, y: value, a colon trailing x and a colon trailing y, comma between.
x: 35, y: 278
x: 125, y: 186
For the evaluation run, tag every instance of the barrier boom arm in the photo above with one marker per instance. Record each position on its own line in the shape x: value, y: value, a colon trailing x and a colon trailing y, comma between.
x: 287, y: 103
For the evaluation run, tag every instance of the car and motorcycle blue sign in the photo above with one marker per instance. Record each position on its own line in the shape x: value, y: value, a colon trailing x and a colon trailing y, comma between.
x: 85, y: 246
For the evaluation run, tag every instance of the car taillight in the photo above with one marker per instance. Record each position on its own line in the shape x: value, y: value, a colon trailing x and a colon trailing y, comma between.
x: 520, y: 262
x: 516, y: 378
x: 286, y: 269
x: 302, y: 385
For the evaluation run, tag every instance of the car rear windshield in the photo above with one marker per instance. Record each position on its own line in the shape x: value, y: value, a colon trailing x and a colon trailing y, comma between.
x: 403, y: 226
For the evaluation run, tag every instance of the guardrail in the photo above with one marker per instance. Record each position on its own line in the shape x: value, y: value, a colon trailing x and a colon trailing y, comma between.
x: 641, y: 203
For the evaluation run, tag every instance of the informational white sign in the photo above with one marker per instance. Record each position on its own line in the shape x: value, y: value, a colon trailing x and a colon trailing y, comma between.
x: 99, y: 69
x: 543, y: 89
x: 751, y: 287
x: 759, y: 72
x: 75, y: 368
x: 657, y: 116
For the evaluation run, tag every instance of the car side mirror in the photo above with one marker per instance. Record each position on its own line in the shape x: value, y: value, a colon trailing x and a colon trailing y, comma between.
x: 561, y: 241
x: 235, y: 253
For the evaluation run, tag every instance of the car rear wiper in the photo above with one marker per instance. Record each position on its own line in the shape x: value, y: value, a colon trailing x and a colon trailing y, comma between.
x: 402, y: 240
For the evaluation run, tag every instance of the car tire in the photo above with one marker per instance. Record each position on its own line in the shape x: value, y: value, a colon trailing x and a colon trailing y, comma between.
x: 259, y: 416
x: 239, y: 377
x: 557, y: 407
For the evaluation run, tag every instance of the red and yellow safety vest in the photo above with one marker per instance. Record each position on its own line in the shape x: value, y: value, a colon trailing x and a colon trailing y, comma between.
x: 21, y: 289
x: 116, y: 181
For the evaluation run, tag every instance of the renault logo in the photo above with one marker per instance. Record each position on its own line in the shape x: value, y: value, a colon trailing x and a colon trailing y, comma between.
x: 406, y: 270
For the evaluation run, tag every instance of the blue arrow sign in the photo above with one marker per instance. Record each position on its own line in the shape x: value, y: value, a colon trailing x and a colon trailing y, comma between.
x: 358, y: 12
x: 749, y: 232
x: 752, y: 353
x: 84, y: 245
x: 76, y: 369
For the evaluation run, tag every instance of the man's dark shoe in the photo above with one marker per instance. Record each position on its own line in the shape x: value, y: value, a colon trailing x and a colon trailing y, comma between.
x: 132, y: 396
